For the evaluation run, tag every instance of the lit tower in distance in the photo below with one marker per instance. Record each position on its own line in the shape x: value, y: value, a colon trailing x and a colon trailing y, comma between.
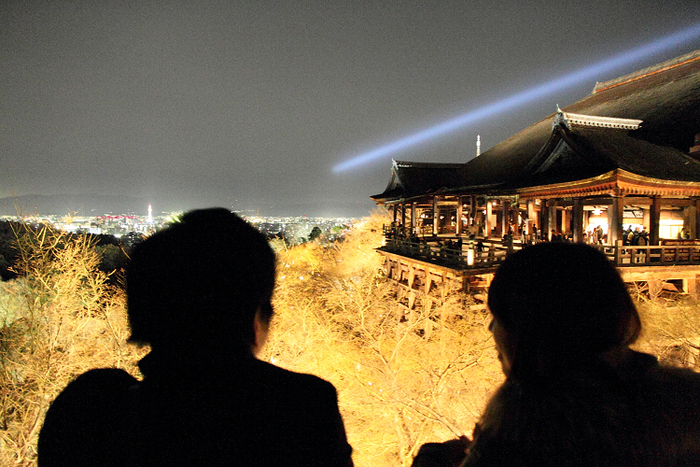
x: 478, y: 145
x: 150, y: 214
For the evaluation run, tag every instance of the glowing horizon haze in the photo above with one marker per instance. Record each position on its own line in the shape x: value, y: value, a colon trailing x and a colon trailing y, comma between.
x: 529, y: 95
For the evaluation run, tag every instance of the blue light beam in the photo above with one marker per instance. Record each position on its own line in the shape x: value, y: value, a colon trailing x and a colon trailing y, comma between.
x: 529, y: 95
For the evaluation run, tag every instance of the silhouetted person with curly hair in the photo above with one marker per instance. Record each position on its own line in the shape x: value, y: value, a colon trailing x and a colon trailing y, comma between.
x: 575, y: 393
x: 199, y: 293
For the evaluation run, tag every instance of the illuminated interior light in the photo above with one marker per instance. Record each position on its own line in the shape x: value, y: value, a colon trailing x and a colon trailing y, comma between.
x: 582, y: 75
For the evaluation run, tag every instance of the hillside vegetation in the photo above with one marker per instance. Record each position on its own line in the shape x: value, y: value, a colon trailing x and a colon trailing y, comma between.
x: 402, y: 378
x: 59, y: 318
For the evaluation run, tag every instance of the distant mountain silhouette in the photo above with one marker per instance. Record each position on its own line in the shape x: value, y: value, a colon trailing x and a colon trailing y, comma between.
x: 76, y: 204
x: 96, y: 204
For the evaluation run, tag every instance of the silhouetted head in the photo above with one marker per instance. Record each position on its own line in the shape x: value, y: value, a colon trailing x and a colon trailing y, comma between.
x: 200, y: 282
x: 561, y: 304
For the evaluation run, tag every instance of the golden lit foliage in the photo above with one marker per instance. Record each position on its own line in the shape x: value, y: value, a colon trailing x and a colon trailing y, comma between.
x: 671, y: 330
x: 404, y: 378
x: 57, y: 320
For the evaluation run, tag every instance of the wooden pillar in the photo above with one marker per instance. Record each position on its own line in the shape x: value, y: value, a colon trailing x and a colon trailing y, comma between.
x: 544, y: 219
x: 690, y: 221
x: 411, y: 299
x: 436, y: 215
x: 403, y: 216
x: 697, y: 219
x: 443, y: 286
x: 487, y: 220
x: 615, y: 215
x: 531, y: 216
x: 472, y: 209
x: 564, y: 226
x: 654, y: 220
x: 690, y: 286
x: 505, y: 217
x: 414, y: 207
x: 551, y: 217
x: 577, y: 220
x: 458, y: 226
x: 393, y: 208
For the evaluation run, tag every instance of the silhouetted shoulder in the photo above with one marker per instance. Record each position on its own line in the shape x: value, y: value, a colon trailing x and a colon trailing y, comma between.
x: 681, y: 378
x: 279, y: 377
x: 250, y: 414
x: 299, y: 411
x: 89, y: 414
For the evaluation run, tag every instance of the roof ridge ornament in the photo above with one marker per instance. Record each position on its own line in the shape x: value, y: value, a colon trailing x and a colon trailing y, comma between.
x: 569, y: 120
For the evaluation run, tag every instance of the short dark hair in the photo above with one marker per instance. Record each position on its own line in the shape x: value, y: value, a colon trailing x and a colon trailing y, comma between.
x: 200, y: 280
x: 562, y: 302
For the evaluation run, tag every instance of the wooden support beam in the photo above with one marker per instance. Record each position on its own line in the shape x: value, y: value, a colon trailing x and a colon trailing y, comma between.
x: 414, y: 207
x: 436, y: 215
x: 531, y: 216
x: 505, y: 217
x: 443, y: 285
x: 472, y: 209
x: 544, y: 219
x: 615, y: 214
x: 458, y: 215
x: 577, y: 220
x: 551, y: 217
x: 654, y: 220
x: 403, y: 215
x: 690, y: 286
x: 487, y: 221
x: 565, y: 225
x: 697, y: 218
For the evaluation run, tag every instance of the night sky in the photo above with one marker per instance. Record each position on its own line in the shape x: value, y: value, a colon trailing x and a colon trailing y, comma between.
x: 250, y: 105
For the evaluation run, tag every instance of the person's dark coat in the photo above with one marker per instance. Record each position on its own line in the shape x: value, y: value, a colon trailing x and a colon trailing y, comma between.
x: 627, y: 412
x: 254, y: 415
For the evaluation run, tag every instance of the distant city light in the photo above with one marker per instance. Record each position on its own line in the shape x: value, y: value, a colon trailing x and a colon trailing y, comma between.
x: 529, y: 95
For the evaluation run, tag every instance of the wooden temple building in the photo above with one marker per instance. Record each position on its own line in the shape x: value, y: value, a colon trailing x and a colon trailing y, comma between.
x: 619, y: 169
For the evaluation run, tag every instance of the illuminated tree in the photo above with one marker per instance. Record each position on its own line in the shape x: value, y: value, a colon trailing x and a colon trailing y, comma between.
x: 404, y: 378
x: 671, y: 330
x: 57, y: 320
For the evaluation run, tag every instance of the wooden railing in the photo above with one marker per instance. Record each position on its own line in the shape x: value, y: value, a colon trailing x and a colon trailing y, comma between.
x: 654, y: 255
x: 461, y: 254
x: 470, y: 254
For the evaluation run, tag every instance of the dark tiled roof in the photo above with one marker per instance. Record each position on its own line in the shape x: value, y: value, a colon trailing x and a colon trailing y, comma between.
x: 584, y: 152
x: 636, y: 155
x: 665, y: 97
x: 667, y: 102
x: 410, y: 179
